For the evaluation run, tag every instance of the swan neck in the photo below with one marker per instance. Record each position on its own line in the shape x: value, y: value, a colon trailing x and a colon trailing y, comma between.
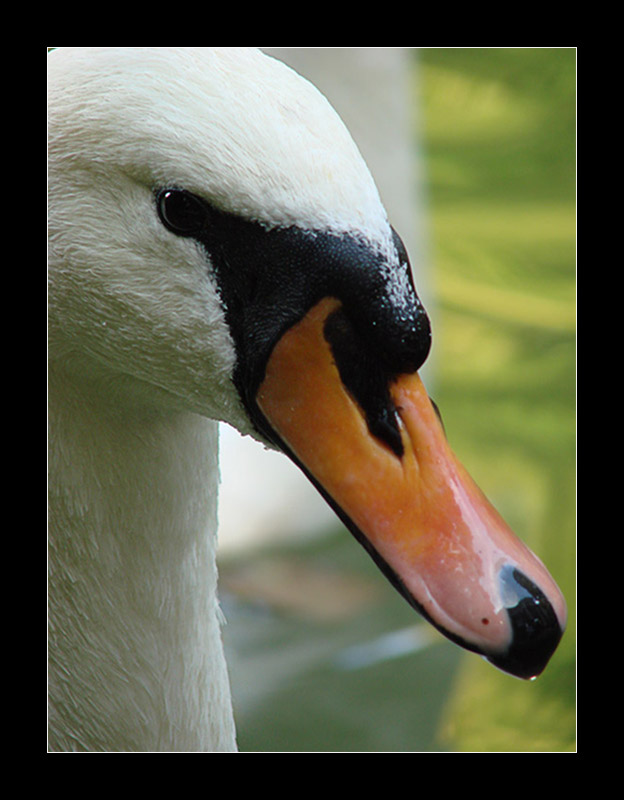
x: 135, y: 640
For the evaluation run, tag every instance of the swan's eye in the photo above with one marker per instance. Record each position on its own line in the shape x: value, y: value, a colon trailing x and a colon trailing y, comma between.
x: 181, y: 212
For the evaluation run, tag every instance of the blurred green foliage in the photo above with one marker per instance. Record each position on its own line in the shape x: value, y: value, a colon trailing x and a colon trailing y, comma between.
x: 499, y: 139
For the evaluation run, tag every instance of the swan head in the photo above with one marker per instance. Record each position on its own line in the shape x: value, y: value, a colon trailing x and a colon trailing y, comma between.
x: 218, y: 245
x: 231, y: 127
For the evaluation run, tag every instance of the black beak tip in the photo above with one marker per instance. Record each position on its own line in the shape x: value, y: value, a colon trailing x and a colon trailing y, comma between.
x: 536, y: 630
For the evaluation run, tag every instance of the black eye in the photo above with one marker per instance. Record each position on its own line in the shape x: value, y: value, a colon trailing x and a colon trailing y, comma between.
x: 181, y: 212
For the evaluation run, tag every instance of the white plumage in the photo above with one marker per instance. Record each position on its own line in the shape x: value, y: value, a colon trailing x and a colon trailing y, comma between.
x: 141, y: 362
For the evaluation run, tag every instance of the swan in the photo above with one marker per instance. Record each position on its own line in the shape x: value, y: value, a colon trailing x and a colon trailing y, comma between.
x: 218, y: 251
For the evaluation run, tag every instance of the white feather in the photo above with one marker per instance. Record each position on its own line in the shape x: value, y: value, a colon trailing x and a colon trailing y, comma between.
x: 141, y: 361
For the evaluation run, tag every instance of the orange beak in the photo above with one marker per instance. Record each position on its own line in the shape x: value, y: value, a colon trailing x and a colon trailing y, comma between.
x: 418, y: 513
